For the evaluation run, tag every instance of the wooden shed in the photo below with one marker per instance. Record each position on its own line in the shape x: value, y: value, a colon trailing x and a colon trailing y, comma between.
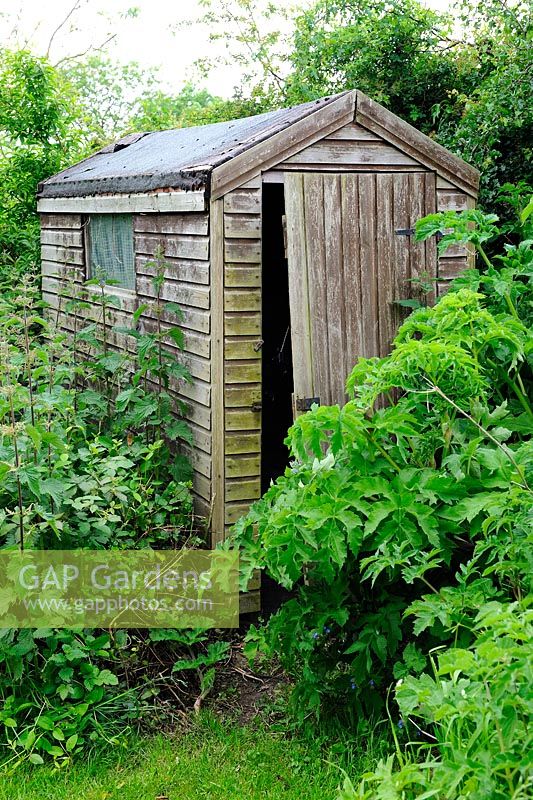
x: 287, y: 238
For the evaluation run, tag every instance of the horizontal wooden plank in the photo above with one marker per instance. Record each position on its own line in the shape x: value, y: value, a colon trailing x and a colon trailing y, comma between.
x: 347, y: 153
x: 234, y: 512
x: 201, y: 437
x: 354, y: 132
x: 202, y: 486
x: 242, y: 300
x: 451, y: 267
x: 200, y: 461
x: 193, y: 247
x: 455, y: 251
x: 253, y: 183
x: 62, y: 255
x: 274, y: 176
x: 124, y: 203
x: 197, y: 390
x: 243, y: 489
x: 71, y: 238
x: 202, y: 510
x: 242, y: 251
x: 195, y: 224
x: 236, y: 324
x: 242, y: 396
x: 235, y: 275
x: 238, y: 442
x: 442, y: 287
x: 451, y: 200
x: 255, y: 581
x: 444, y: 184
x: 193, y: 319
x: 63, y: 272
x: 242, y: 201
x: 242, y: 226
x: 198, y: 367
x: 241, y: 347
x: 250, y: 603
x: 179, y: 269
x: 363, y: 168
x: 61, y: 221
x: 242, y: 420
x: 242, y: 372
x: 185, y: 294
x: 242, y: 466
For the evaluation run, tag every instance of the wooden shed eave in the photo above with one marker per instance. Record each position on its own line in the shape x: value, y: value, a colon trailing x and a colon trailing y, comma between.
x: 155, y: 202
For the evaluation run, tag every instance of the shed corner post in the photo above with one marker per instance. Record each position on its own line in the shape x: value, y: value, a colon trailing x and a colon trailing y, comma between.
x: 216, y: 254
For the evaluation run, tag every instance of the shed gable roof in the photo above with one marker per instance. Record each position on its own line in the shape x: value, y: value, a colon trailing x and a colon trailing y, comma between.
x: 219, y: 155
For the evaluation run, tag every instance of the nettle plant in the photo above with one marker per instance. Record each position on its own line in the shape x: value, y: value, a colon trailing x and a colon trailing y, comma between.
x: 89, y: 428
x: 88, y: 435
x: 395, y: 523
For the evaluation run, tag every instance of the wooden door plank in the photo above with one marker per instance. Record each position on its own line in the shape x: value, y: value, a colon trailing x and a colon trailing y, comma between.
x: 387, y: 314
x: 298, y: 286
x: 352, y: 270
x: 317, y: 283
x: 417, y: 199
x: 430, y: 206
x: 336, y: 299
x: 367, y: 243
x: 401, y: 243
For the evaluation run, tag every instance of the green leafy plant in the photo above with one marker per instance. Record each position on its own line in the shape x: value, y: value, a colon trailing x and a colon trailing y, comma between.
x: 394, y: 524
x: 59, y: 693
x: 466, y: 727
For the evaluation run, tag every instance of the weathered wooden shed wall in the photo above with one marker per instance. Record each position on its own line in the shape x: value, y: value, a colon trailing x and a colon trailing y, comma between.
x: 184, y: 243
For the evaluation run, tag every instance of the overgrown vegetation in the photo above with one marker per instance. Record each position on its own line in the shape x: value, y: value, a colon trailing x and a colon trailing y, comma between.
x: 88, y: 459
x: 404, y: 531
x: 402, y: 526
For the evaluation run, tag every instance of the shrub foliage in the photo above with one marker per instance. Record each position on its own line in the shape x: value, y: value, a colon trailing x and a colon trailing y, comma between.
x: 406, y: 511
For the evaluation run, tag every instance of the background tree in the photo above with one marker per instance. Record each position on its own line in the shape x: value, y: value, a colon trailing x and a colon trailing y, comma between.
x: 37, y: 137
x: 492, y: 125
x: 400, y: 53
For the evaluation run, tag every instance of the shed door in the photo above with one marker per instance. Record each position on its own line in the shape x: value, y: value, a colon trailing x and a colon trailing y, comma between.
x: 347, y: 266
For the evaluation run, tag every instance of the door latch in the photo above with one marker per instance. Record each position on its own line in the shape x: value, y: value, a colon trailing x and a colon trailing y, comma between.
x: 304, y: 403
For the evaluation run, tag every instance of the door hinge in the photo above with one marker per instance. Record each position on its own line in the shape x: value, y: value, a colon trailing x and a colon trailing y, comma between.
x: 305, y: 403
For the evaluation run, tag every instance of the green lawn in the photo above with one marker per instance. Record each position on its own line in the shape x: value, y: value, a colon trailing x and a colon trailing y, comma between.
x: 212, y: 760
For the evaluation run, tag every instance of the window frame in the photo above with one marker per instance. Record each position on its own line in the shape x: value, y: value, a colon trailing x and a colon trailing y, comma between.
x: 108, y: 288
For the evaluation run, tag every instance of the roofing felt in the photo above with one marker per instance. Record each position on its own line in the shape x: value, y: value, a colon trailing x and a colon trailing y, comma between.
x: 178, y: 158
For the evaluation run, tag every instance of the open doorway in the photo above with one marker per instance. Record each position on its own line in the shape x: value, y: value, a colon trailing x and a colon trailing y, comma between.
x: 277, y: 381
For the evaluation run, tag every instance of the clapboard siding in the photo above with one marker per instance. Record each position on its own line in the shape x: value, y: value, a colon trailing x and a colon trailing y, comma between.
x: 242, y: 350
x: 456, y: 258
x: 351, y: 148
x: 178, y: 269
x: 182, y: 240
x: 351, y: 153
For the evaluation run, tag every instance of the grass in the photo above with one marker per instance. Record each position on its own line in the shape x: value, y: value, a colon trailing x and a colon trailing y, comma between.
x: 212, y: 760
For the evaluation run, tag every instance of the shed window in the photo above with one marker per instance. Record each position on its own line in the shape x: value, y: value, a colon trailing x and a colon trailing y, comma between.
x: 111, y: 253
